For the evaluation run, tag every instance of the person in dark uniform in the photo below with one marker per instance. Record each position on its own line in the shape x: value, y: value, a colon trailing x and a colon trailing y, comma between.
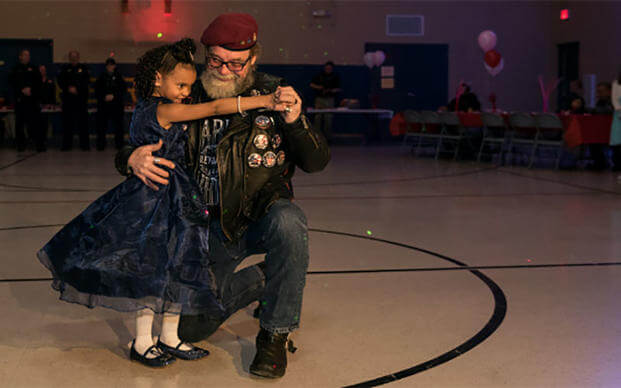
x: 327, y: 86
x: 73, y: 81
x: 48, y: 87
x: 25, y: 81
x: 110, y: 89
x: 244, y: 165
x: 48, y: 98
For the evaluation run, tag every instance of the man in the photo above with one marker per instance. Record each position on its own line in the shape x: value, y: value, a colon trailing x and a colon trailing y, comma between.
x: 603, y: 105
x: 25, y: 81
x: 73, y: 81
x: 468, y: 101
x: 574, y: 99
x: 326, y: 85
x: 110, y: 89
x: 245, y: 177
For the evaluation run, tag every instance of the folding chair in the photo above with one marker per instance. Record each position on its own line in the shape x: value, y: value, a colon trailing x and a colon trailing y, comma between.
x: 524, y: 132
x: 414, y: 126
x: 549, y: 134
x: 452, y: 130
x: 431, y: 129
x: 495, y: 131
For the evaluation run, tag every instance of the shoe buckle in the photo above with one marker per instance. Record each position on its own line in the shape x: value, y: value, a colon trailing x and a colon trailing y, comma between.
x: 290, y: 347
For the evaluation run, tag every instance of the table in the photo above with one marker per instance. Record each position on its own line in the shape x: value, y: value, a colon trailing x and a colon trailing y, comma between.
x: 373, y: 115
x: 587, y: 129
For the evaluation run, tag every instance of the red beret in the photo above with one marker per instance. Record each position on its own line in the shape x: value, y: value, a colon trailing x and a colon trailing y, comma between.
x: 233, y: 31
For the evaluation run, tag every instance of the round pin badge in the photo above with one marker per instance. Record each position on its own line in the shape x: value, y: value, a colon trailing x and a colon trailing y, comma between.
x: 276, y: 140
x: 269, y: 159
x: 262, y: 122
x: 261, y: 141
x: 280, y: 158
x: 254, y: 160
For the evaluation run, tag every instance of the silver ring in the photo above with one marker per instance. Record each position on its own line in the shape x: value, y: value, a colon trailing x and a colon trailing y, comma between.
x: 288, y: 109
x: 156, y: 160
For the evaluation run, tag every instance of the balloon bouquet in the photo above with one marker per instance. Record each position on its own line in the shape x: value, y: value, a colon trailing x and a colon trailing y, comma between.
x: 375, y: 58
x: 492, y: 60
x: 372, y: 59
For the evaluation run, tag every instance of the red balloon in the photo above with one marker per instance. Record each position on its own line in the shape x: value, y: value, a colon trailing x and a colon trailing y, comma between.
x: 492, y: 58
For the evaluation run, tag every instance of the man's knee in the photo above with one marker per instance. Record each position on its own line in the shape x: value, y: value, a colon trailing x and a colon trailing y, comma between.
x: 287, y: 220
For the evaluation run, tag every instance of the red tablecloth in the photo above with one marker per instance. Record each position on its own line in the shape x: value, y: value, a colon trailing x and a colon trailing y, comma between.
x: 588, y: 129
x: 470, y: 119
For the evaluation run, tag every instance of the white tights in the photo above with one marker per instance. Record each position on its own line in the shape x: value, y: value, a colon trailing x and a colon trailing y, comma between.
x: 144, y: 337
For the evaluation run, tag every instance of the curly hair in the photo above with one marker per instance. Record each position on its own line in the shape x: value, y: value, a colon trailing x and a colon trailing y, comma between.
x: 162, y: 59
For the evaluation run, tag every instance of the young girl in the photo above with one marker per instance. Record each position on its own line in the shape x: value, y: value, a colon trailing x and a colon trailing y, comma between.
x: 144, y: 250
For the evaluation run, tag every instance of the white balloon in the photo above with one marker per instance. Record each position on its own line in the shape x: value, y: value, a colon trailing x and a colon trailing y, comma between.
x: 487, y: 40
x: 379, y: 57
x: 494, y: 71
x: 369, y: 59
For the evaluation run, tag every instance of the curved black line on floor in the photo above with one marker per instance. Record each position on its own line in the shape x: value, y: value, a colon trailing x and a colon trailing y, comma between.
x: 429, y: 177
x: 400, y: 270
x: 500, y: 310
x: 370, y: 197
x: 18, y: 161
x: 30, y: 227
x: 550, y: 180
x: 431, y: 196
x: 382, y: 181
x: 470, y: 172
x: 36, y: 189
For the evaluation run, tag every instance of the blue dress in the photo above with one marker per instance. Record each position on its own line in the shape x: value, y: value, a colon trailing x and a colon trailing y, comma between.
x: 134, y: 247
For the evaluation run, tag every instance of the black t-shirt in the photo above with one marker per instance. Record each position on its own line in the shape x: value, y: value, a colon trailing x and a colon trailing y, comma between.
x: 328, y: 81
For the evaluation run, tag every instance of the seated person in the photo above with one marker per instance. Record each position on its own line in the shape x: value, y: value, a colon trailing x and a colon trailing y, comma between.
x: 468, y: 101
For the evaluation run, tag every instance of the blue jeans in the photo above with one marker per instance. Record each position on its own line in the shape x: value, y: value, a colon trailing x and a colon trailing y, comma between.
x: 282, y: 235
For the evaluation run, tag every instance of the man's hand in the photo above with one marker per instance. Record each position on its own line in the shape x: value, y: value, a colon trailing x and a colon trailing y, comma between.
x: 73, y: 90
x: 26, y: 91
x: 109, y: 97
x: 287, y: 93
x: 144, y: 165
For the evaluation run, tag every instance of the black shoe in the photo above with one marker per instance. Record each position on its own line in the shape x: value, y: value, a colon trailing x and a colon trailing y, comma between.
x: 162, y: 358
x: 193, y: 354
x: 271, y: 358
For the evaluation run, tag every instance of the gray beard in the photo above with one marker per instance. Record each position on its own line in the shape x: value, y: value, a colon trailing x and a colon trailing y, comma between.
x: 218, y: 89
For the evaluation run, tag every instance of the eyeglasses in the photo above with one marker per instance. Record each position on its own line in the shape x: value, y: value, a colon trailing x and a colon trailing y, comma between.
x: 216, y: 63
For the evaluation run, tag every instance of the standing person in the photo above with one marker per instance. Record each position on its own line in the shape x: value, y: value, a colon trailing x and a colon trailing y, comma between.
x: 110, y: 89
x: 73, y: 81
x: 244, y: 174
x: 574, y: 99
x: 615, y: 130
x: 25, y: 81
x: 48, y: 99
x: 603, y: 105
x: 137, y: 249
x: 48, y: 88
x: 326, y: 85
